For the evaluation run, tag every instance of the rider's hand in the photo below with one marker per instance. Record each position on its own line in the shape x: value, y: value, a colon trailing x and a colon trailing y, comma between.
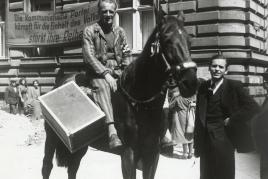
x: 111, y: 81
x: 86, y: 90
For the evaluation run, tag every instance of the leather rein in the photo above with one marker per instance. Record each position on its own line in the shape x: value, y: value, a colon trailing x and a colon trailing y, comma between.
x: 171, y: 70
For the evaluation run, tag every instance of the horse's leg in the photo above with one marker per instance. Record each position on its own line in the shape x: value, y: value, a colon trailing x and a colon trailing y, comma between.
x: 150, y: 156
x: 72, y: 169
x: 50, y: 147
x: 149, y: 135
x: 74, y: 163
x: 128, y: 163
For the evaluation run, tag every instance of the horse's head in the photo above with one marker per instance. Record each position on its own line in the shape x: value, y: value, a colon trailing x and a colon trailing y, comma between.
x: 174, y: 46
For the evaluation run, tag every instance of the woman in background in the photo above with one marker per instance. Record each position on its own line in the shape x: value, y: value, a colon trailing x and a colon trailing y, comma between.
x: 23, y: 90
x: 182, y: 113
x: 33, y: 94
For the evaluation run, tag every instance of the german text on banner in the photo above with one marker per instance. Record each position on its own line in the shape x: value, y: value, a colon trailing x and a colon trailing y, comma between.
x: 50, y: 28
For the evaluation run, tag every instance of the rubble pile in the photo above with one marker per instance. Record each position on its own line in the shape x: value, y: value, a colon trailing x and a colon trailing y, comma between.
x: 20, y: 130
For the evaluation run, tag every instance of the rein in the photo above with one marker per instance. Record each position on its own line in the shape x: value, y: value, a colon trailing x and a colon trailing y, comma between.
x: 169, y: 69
x: 140, y: 101
x: 156, y: 49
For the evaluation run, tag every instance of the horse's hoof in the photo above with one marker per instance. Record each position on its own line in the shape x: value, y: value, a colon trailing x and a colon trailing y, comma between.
x: 190, y: 156
x: 114, y: 142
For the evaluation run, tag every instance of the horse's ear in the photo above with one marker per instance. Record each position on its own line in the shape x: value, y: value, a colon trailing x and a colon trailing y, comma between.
x: 158, y: 12
x: 181, y: 17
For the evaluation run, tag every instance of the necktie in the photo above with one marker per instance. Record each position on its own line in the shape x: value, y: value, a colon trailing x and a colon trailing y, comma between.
x: 213, y: 85
x: 211, y: 88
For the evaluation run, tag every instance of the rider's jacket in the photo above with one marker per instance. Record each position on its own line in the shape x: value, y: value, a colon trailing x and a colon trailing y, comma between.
x: 96, y: 57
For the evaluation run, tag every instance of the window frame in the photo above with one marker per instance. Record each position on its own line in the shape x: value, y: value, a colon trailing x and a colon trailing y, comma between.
x: 137, y: 35
x: 2, y: 40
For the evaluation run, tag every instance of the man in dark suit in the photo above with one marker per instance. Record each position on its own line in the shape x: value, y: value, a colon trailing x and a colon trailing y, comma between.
x: 223, y: 113
x: 12, y: 96
x: 260, y: 131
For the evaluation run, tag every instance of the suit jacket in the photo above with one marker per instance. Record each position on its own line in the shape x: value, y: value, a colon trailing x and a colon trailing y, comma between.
x: 11, y: 96
x: 260, y: 129
x: 237, y: 105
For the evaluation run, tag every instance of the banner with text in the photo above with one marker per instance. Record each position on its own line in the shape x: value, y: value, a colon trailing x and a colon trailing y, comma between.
x: 50, y: 28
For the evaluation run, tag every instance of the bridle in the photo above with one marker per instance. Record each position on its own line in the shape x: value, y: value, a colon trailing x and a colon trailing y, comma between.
x: 156, y: 49
x: 171, y: 70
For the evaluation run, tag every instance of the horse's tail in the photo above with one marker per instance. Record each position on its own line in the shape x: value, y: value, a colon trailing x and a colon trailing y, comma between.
x: 63, y: 155
x: 65, y: 158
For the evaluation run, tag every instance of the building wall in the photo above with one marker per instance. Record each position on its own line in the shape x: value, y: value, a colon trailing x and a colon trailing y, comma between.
x: 235, y: 28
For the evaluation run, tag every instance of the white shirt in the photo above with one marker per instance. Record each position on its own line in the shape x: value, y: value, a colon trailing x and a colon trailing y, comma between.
x: 166, y: 103
x: 217, y: 86
x: 15, y: 89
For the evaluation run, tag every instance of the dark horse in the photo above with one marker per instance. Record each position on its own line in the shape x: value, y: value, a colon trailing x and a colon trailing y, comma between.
x: 142, y: 90
x: 143, y: 84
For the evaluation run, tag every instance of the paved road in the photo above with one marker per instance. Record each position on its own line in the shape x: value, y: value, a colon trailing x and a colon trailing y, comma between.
x: 20, y: 160
x: 25, y: 163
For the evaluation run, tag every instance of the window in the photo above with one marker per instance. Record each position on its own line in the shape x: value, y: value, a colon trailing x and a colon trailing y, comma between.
x: 137, y: 20
x: 147, y: 25
x: 38, y: 5
x: 30, y: 6
x: 125, y: 3
x: 2, y: 40
x: 135, y: 16
x: 126, y: 21
x: 47, y: 5
x: 2, y: 29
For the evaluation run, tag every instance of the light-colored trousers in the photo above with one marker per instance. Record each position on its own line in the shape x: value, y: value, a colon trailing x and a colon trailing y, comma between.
x: 102, y: 97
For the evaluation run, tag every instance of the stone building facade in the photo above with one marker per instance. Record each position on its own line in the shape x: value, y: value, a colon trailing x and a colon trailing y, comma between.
x: 235, y: 28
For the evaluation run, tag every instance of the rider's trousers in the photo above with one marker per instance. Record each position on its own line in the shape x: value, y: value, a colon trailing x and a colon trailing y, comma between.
x: 102, y: 97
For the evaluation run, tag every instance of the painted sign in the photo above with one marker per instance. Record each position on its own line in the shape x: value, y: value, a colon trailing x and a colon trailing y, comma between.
x: 49, y: 28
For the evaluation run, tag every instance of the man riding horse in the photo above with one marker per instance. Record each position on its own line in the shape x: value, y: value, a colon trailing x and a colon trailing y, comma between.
x: 105, y: 53
x: 141, y: 85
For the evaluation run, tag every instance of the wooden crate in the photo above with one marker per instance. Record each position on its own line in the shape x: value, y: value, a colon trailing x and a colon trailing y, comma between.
x: 73, y: 116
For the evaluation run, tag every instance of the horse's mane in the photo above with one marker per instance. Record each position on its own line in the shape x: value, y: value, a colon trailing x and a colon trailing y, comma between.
x: 173, y: 23
x: 170, y: 23
x: 141, y: 73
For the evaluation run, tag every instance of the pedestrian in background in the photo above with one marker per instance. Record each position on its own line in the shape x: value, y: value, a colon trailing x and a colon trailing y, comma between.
x: 182, y: 112
x: 12, y: 96
x: 223, y: 114
x: 166, y: 143
x: 33, y: 94
x: 23, y: 94
x: 260, y: 132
